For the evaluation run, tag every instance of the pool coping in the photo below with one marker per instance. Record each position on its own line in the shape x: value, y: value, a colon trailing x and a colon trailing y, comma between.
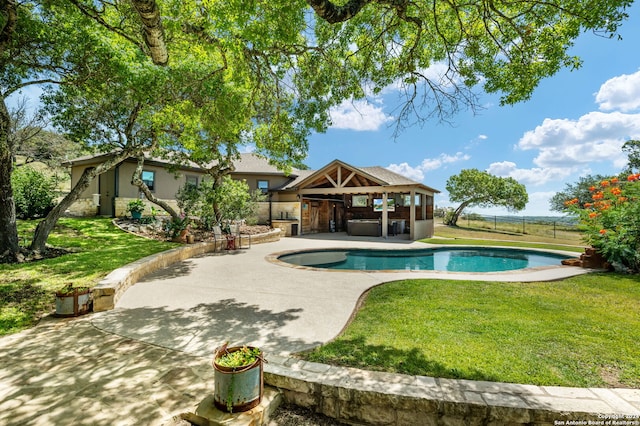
x: 274, y: 259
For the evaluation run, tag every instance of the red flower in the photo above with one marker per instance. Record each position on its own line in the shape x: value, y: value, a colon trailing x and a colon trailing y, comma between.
x: 614, y: 180
x: 604, y: 183
x: 592, y: 215
x: 603, y: 231
x: 593, y: 188
x: 598, y: 196
x: 616, y: 191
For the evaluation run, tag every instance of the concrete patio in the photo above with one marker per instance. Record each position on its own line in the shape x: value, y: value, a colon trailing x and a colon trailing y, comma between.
x: 149, y: 359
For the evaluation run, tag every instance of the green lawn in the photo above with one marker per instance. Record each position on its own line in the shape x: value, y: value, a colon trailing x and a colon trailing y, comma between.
x: 582, y: 331
x: 26, y: 290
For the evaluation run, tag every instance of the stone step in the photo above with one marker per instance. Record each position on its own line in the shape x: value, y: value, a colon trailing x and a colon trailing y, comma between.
x: 206, y: 414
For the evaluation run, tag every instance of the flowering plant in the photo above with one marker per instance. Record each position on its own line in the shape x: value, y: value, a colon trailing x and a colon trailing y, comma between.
x: 612, y: 221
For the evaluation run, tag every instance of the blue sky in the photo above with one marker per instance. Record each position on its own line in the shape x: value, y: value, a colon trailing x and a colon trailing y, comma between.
x: 574, y: 124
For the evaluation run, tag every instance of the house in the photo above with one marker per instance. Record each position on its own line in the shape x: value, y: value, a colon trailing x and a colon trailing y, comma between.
x: 337, y: 197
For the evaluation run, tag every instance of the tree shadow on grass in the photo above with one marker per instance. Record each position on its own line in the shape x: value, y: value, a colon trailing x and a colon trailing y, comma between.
x: 359, y: 354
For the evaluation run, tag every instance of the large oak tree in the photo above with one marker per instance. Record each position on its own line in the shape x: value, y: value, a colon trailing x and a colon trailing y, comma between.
x: 270, y: 70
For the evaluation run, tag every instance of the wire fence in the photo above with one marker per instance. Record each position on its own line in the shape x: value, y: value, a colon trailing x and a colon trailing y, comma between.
x: 552, y: 227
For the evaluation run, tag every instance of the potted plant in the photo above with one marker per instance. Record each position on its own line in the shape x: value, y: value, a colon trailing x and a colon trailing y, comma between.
x: 136, y: 207
x: 178, y: 228
x: 238, y: 377
x: 73, y: 301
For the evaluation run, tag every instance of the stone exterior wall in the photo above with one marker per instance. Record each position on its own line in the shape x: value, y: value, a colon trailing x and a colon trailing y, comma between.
x: 121, y: 204
x: 83, y: 207
x: 263, y: 212
x: 279, y: 209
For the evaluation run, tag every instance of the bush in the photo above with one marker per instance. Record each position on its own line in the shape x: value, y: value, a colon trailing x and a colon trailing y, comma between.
x: 219, y: 205
x: 33, y: 192
x: 612, y: 221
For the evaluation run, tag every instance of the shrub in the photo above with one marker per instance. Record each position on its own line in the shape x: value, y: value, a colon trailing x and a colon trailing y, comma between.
x: 136, y: 206
x: 33, y: 192
x: 612, y: 221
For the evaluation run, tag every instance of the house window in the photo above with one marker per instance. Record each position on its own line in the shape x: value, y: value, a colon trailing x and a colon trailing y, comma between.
x: 359, y: 200
x: 192, y: 181
x: 149, y: 179
x: 263, y: 185
x: 407, y: 200
x: 429, y: 207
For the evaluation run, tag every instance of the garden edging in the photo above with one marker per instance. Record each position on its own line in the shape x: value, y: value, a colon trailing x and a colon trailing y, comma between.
x: 375, y: 398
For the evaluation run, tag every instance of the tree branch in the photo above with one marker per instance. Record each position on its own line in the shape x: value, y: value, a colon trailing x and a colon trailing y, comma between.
x: 136, y: 180
x: 10, y: 17
x: 153, y: 32
x: 333, y: 14
x: 95, y: 15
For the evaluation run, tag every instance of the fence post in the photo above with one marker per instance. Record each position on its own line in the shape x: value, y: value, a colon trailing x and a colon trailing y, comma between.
x: 523, y: 220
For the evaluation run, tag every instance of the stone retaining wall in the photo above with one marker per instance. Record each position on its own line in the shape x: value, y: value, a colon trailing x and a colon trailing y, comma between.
x: 109, y: 290
x: 365, y: 397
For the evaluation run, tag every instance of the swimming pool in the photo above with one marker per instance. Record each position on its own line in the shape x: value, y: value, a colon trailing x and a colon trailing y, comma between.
x: 449, y: 259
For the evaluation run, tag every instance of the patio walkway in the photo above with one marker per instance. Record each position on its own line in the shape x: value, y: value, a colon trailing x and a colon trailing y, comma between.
x: 150, y: 357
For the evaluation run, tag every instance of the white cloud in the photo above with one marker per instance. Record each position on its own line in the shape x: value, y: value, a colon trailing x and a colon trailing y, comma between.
x: 406, y: 170
x: 535, y: 176
x: 621, y: 93
x: 436, y: 163
x: 428, y: 164
x: 594, y: 137
x: 359, y: 116
x: 247, y: 149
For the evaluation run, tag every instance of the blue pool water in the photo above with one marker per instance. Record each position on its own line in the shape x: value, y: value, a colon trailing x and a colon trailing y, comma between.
x: 459, y: 259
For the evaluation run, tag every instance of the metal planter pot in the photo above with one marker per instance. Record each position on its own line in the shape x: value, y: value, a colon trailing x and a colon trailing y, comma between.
x: 73, y: 302
x: 238, y: 388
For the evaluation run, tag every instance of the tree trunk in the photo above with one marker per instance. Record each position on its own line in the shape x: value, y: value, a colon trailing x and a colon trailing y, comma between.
x: 9, y: 245
x: 333, y: 13
x: 45, y: 227
x: 136, y: 180
x: 453, y: 221
x: 149, y: 13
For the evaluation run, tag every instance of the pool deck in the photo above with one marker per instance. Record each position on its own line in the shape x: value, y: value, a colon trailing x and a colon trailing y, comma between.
x: 149, y: 359
x: 249, y: 296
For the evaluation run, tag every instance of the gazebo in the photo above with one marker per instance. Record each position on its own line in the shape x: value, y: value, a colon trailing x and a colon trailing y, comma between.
x: 362, y: 201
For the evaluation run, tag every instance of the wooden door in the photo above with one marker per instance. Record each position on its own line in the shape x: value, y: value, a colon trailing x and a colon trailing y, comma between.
x: 306, y: 217
x: 107, y: 189
x: 315, y: 216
